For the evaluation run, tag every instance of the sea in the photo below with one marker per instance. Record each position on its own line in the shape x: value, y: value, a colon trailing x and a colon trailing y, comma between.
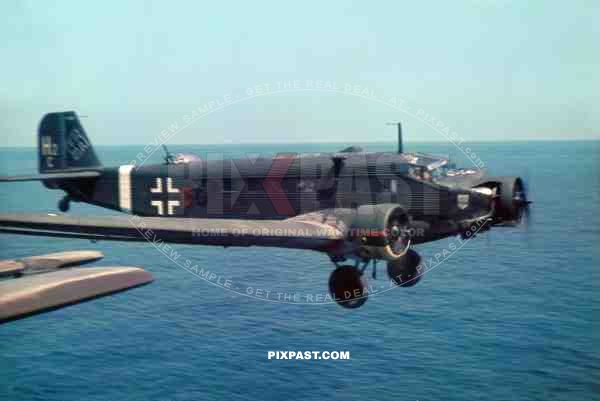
x: 512, y: 315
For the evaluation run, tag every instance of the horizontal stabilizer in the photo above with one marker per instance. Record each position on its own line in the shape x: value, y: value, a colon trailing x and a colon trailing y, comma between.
x: 51, y: 176
x: 36, y: 293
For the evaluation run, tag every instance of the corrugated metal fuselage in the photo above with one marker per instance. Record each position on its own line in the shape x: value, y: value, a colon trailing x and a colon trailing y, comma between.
x: 275, y: 188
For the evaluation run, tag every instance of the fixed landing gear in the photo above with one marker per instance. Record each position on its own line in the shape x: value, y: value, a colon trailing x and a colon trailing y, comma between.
x: 347, y: 285
x: 64, y: 204
x: 404, y: 271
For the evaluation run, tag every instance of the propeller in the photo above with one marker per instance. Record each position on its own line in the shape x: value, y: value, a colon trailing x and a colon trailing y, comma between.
x: 522, y: 201
x: 528, y: 191
x: 511, y: 204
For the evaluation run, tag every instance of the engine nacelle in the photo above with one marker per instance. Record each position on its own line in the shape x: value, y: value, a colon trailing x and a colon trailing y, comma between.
x: 380, y: 231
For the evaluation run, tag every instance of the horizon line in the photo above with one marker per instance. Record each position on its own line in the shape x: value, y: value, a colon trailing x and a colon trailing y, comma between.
x: 232, y: 143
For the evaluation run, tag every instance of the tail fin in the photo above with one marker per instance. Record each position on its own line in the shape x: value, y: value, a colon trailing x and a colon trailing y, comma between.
x: 63, y: 145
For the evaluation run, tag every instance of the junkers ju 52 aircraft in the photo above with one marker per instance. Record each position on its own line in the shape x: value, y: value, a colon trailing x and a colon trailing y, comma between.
x: 353, y: 205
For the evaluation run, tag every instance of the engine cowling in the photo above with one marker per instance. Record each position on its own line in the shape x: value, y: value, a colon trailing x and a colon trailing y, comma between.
x: 380, y: 231
x: 509, y: 197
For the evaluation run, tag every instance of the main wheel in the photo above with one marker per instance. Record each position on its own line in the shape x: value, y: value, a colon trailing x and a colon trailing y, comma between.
x: 347, y: 286
x: 404, y: 271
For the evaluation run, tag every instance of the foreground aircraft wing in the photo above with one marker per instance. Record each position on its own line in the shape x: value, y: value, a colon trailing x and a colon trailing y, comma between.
x: 37, y: 264
x: 42, y: 283
x: 298, y: 232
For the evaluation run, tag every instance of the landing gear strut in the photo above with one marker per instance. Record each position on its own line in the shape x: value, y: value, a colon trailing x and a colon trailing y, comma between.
x: 64, y: 204
x: 347, y: 285
x: 404, y: 271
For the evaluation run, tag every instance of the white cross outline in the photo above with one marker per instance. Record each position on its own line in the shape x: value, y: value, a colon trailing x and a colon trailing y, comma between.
x: 171, y: 206
x: 158, y: 204
x: 158, y: 189
x: 170, y: 188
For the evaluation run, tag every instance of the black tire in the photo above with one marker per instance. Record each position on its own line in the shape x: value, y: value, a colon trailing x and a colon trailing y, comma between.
x: 404, y: 271
x: 345, y: 283
x: 64, y: 205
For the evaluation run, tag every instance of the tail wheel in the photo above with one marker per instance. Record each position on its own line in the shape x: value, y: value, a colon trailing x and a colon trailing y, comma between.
x: 347, y: 286
x: 404, y: 271
x: 64, y: 204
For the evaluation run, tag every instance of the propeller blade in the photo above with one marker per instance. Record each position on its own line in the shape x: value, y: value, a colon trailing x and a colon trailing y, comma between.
x: 525, y: 202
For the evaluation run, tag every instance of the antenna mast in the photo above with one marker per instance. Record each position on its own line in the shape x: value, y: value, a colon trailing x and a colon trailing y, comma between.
x: 399, y: 124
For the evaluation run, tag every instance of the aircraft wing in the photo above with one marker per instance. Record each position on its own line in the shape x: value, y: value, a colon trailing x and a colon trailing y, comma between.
x: 41, y: 283
x: 38, y: 284
x: 39, y: 264
x: 301, y: 232
x: 52, y: 176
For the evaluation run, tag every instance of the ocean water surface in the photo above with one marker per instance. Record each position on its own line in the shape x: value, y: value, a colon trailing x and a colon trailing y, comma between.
x: 512, y: 315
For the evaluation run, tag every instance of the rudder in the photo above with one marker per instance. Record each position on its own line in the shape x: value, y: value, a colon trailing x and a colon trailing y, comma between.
x: 63, y: 145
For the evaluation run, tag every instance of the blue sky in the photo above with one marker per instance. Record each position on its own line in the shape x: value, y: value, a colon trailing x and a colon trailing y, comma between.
x: 489, y: 70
